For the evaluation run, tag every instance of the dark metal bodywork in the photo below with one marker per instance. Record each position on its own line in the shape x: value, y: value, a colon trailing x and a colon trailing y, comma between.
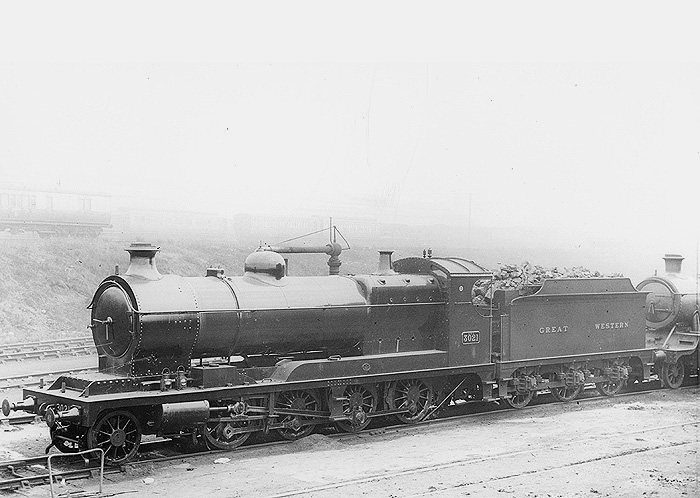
x: 580, y: 316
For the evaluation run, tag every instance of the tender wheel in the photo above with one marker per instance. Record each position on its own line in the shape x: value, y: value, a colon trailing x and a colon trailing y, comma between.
x: 520, y: 400
x: 673, y: 374
x: 225, y: 435
x: 609, y: 388
x: 69, y: 438
x: 297, y: 400
x: 412, y: 394
x: 566, y: 394
x: 361, y: 401
x: 118, y: 433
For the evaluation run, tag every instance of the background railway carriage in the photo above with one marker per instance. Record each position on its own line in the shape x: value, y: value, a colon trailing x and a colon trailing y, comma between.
x: 54, y: 212
x: 217, y: 358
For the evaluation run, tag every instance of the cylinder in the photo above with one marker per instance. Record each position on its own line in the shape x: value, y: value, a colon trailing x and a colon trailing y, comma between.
x: 175, y: 416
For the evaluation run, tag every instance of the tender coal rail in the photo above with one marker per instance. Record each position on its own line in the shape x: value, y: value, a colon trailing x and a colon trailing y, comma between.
x: 58, y: 348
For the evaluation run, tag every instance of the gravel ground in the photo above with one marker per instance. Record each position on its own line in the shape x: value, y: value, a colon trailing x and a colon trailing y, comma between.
x: 638, y: 446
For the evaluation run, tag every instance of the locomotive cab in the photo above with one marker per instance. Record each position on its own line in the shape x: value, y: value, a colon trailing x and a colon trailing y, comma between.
x: 468, y: 334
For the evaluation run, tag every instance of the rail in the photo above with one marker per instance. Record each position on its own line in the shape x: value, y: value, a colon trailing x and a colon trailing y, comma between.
x: 37, y: 378
x: 57, y: 348
x: 33, y: 470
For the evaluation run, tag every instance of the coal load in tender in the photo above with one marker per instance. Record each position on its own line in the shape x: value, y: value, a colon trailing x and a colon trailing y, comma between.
x: 528, y: 278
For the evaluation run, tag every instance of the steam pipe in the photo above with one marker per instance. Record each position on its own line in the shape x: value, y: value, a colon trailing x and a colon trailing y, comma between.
x: 333, y: 249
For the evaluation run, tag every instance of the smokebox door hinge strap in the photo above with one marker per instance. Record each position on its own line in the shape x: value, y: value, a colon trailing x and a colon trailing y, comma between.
x: 107, y: 322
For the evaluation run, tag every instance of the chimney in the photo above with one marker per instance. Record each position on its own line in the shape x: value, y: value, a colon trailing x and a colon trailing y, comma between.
x: 385, y: 262
x: 673, y: 263
x: 142, y: 261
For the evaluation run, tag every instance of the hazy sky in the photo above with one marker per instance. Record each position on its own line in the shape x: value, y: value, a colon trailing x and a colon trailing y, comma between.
x: 583, y: 144
x: 572, y: 140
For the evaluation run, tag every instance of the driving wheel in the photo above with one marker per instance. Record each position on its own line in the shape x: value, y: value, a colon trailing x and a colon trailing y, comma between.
x: 359, y: 402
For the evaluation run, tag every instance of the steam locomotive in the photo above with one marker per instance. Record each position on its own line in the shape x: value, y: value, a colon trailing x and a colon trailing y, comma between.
x: 214, y: 359
x: 673, y: 321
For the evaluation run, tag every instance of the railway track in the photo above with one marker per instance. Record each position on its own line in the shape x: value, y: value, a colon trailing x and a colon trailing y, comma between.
x: 38, y: 350
x: 33, y: 470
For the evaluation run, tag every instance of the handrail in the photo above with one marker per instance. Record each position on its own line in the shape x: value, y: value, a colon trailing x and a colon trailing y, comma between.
x: 100, y: 451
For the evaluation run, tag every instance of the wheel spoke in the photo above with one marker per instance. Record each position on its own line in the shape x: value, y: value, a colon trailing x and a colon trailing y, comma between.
x: 216, y: 437
x: 359, y: 403
x: 414, y: 395
x: 122, y: 428
x: 673, y: 374
x: 297, y: 400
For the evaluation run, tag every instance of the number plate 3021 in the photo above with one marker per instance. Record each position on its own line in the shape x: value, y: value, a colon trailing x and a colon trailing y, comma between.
x: 470, y: 337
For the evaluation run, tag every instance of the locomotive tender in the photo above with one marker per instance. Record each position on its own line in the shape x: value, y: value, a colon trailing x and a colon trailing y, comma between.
x: 218, y: 358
